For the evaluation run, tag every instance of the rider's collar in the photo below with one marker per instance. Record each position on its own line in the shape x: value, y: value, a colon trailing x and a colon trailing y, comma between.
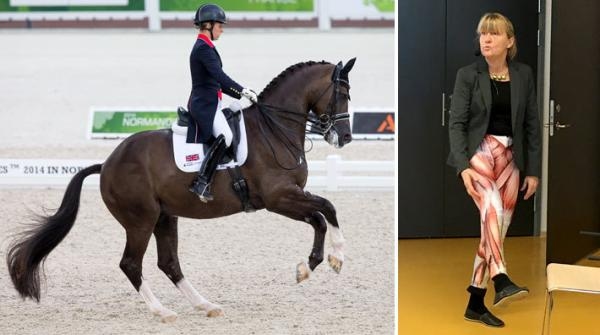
x: 206, y: 39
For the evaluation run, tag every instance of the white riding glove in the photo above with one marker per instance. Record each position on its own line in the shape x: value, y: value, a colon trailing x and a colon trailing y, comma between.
x: 250, y: 95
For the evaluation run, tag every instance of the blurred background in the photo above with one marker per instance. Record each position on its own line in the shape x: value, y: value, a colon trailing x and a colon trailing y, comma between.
x: 62, y: 59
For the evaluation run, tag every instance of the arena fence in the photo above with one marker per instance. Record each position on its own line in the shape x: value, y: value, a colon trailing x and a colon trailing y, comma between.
x: 368, y: 123
x: 155, y: 15
x: 332, y: 174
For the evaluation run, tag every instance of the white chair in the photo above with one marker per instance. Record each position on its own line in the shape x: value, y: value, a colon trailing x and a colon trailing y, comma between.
x: 570, y: 278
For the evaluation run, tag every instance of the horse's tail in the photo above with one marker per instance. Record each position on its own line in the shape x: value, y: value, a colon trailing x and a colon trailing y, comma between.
x: 30, y: 248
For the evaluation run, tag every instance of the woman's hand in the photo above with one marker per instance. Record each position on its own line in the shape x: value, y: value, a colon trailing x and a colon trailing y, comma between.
x: 469, y: 176
x: 530, y: 184
x: 250, y: 95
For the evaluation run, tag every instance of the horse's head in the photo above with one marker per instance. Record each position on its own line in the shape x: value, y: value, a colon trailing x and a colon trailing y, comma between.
x: 331, y: 115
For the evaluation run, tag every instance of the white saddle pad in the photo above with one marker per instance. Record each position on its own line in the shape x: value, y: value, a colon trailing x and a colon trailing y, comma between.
x: 189, y: 156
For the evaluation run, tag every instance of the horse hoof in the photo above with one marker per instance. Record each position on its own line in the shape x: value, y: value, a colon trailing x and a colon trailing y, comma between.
x: 302, y: 272
x: 168, y: 317
x: 335, y: 263
x: 213, y: 313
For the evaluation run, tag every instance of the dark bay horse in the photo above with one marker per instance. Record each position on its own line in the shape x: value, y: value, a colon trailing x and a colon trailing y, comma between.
x: 145, y: 191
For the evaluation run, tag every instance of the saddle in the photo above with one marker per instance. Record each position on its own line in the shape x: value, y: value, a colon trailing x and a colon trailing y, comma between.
x: 189, y: 156
x: 233, y: 115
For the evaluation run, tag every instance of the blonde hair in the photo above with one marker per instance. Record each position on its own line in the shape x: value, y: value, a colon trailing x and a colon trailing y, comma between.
x: 498, y: 23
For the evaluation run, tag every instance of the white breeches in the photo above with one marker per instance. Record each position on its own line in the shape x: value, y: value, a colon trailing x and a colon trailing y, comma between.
x: 220, y: 126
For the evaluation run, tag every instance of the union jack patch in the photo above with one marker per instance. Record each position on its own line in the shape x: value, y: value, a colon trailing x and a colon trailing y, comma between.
x: 193, y: 157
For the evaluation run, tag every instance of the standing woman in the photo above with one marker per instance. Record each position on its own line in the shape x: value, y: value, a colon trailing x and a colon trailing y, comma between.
x: 494, y: 133
x: 209, y: 82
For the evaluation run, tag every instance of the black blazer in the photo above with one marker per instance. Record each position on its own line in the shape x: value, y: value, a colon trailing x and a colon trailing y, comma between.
x: 208, y: 79
x: 470, y: 116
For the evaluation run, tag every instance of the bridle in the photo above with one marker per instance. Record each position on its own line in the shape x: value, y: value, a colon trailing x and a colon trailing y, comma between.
x: 323, y: 123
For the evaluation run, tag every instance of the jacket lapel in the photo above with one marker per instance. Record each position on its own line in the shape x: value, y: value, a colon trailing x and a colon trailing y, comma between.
x: 484, y: 84
x: 515, y: 82
x: 218, y: 57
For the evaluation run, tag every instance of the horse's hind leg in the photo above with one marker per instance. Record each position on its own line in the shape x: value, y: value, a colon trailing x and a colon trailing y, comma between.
x: 165, y: 232
x: 131, y: 264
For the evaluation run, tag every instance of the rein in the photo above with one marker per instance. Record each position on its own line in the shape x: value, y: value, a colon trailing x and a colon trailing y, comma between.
x: 281, y: 131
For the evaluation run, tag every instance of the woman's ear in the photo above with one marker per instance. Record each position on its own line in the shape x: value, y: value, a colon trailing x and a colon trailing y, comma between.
x: 511, y: 42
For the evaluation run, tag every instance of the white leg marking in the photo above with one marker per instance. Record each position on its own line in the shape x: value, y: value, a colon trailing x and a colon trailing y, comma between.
x: 336, y: 258
x: 198, y: 301
x: 337, y: 241
x: 302, y: 272
x: 165, y: 314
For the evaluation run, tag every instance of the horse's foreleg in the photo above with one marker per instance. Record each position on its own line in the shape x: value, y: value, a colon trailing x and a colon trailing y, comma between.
x: 165, y: 232
x: 336, y: 258
x: 318, y: 222
x: 131, y: 264
x: 318, y: 212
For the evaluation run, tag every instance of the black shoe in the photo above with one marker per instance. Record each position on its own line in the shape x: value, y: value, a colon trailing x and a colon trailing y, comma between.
x: 487, y: 318
x: 511, y: 292
x: 202, y: 190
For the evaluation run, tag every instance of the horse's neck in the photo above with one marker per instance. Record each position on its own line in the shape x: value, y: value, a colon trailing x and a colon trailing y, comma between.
x: 288, y: 102
x: 295, y: 96
x: 290, y: 111
x: 290, y: 116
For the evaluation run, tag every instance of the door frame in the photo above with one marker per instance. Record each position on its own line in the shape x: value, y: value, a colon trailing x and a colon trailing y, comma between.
x: 546, y: 30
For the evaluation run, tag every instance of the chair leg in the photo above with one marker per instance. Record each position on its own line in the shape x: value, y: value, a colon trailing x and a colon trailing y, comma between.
x: 547, y: 313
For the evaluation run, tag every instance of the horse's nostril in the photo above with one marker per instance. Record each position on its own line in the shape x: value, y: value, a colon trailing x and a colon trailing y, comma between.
x: 347, y: 138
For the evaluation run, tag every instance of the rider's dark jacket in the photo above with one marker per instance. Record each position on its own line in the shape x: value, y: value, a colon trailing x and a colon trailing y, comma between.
x: 208, y: 83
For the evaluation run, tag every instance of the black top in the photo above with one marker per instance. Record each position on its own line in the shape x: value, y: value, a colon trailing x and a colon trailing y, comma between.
x: 500, y: 119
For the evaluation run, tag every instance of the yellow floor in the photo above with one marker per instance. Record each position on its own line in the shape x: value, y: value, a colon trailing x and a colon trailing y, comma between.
x: 433, y: 275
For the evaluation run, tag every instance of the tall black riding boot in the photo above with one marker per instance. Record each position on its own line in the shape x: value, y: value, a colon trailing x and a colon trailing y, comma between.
x: 201, y: 186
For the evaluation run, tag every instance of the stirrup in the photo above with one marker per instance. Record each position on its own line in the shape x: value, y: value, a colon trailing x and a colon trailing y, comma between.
x: 202, y: 190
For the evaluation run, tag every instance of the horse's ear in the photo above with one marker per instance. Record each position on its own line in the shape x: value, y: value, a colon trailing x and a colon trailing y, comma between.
x: 348, y: 66
x: 337, y: 71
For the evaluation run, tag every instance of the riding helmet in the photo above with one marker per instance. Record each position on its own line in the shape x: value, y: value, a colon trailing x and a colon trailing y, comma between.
x: 209, y: 12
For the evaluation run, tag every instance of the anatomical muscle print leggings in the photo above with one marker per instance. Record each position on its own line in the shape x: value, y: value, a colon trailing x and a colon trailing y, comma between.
x: 498, y: 187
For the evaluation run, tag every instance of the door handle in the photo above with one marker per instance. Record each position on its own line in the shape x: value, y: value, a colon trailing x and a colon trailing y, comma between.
x: 559, y: 125
x: 443, y: 109
x: 550, y: 123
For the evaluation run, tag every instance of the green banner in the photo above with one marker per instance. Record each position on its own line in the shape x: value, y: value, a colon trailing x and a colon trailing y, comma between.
x: 133, y: 5
x: 382, y: 5
x: 125, y: 123
x: 242, y: 5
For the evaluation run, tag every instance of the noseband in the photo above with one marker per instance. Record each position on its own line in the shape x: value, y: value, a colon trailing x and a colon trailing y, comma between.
x: 323, y: 123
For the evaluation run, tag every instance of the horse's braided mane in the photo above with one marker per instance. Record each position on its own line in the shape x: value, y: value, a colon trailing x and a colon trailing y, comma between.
x: 284, y: 74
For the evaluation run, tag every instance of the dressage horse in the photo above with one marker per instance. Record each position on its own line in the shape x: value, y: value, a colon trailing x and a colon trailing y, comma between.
x: 146, y: 192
